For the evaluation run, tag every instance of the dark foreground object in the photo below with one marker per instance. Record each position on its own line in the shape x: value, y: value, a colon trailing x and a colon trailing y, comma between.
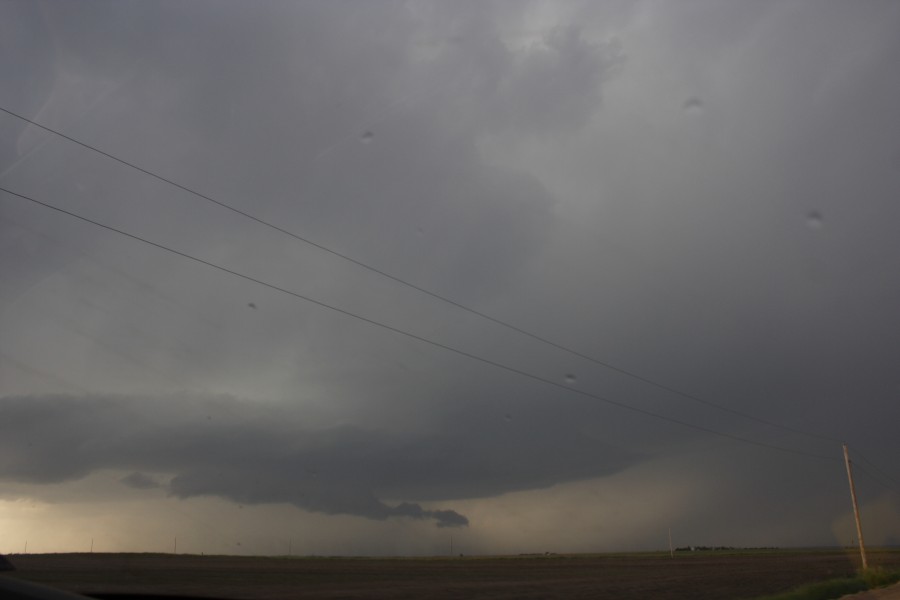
x: 5, y: 565
x: 654, y: 576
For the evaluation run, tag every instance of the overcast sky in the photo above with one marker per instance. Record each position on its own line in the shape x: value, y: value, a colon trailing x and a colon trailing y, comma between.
x: 703, y: 195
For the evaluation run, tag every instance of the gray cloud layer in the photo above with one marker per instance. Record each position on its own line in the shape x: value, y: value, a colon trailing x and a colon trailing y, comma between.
x: 258, y: 454
x: 704, y: 193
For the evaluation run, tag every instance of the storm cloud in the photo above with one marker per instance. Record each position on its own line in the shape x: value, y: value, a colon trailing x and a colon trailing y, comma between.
x: 695, y: 203
x: 256, y: 454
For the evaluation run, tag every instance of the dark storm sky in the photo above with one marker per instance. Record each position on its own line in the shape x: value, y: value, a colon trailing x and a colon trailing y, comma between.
x: 701, y: 193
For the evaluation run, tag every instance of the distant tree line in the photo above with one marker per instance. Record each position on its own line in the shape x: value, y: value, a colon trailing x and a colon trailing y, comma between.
x: 719, y: 548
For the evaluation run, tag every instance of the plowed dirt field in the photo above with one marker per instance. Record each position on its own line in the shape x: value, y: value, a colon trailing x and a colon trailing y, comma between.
x: 636, y: 576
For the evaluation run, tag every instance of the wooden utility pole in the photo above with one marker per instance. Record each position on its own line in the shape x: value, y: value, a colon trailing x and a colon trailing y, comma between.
x: 859, y: 533
x: 671, y: 548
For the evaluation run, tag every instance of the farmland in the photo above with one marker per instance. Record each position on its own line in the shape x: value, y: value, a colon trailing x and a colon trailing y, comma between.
x: 696, y: 575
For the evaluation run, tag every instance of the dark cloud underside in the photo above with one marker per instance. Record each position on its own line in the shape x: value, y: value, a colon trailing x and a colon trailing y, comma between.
x: 703, y: 194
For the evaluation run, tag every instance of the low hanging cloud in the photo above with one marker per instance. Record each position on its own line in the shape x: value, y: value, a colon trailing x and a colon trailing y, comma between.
x: 140, y: 481
x: 255, y: 454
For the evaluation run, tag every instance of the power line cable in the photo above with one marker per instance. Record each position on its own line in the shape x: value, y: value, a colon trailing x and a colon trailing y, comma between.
x: 887, y: 486
x: 893, y: 481
x: 495, y: 320
x: 416, y: 337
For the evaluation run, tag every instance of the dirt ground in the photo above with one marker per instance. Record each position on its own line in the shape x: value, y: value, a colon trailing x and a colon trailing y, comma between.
x: 689, y: 575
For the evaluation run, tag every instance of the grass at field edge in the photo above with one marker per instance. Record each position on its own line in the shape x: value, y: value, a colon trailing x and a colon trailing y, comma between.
x: 870, y: 579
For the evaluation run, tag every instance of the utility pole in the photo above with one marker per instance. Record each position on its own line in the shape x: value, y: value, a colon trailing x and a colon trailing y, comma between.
x: 92, y: 545
x: 175, y: 549
x: 671, y: 548
x: 451, y: 545
x: 859, y: 533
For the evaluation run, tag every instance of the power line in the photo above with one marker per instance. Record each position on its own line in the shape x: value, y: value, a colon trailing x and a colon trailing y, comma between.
x: 416, y: 337
x: 495, y: 320
x: 893, y: 481
x: 877, y: 480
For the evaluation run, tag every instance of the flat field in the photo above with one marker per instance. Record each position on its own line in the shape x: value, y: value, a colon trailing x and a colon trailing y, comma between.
x: 694, y: 575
